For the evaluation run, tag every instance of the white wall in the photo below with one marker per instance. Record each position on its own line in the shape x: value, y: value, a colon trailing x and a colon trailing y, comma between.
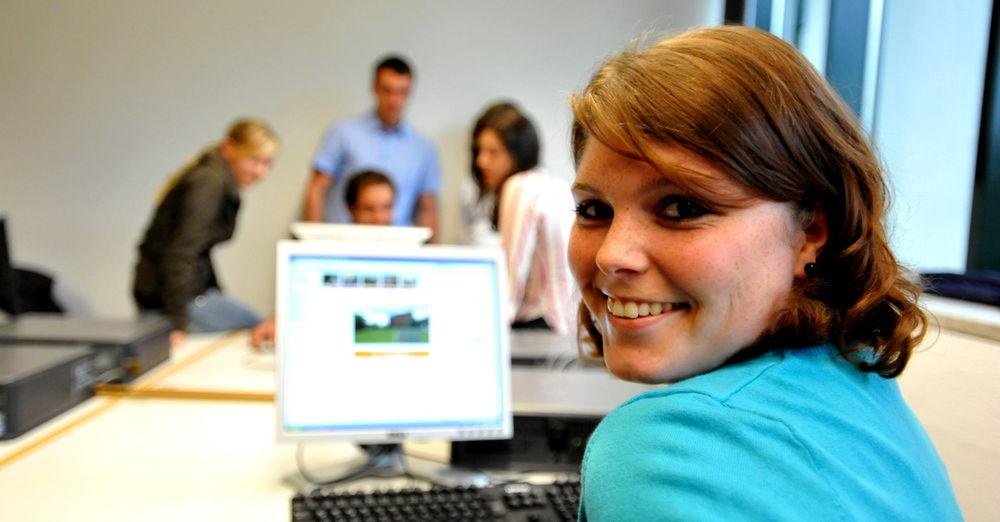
x: 102, y: 100
x: 927, y: 123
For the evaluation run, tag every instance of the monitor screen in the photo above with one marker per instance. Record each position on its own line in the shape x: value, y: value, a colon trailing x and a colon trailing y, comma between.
x: 380, y: 345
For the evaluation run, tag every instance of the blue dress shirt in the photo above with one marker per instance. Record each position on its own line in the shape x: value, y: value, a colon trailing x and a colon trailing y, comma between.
x: 366, y: 143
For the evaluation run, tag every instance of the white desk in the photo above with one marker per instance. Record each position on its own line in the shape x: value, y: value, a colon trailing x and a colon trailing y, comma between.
x: 953, y: 385
x: 156, y: 460
x: 963, y: 316
x: 163, y: 459
x: 149, y: 458
x: 123, y: 459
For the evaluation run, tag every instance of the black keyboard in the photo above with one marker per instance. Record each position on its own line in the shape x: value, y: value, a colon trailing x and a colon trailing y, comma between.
x: 520, y: 501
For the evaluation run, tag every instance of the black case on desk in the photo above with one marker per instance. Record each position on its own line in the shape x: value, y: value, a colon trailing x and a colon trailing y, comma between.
x: 539, y: 443
x: 124, y: 348
x: 554, y: 414
x: 40, y: 382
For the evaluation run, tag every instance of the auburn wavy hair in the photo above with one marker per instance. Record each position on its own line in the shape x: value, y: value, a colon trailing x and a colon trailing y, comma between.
x: 750, y: 103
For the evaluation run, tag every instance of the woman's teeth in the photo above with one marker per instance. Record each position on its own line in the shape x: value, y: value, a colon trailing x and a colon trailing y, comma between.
x: 633, y: 310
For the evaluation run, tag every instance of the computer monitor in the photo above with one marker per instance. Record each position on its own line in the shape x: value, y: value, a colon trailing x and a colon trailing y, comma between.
x: 379, y: 344
x: 360, y: 233
x: 9, y: 301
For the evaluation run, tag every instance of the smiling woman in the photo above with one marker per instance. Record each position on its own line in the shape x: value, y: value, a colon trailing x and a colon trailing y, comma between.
x: 729, y: 239
x: 717, y: 270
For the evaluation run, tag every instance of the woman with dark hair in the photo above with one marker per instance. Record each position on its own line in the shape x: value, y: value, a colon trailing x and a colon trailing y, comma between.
x: 730, y: 240
x: 525, y: 210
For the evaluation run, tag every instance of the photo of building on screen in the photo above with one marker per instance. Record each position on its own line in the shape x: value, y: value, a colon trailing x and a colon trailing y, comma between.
x: 392, y: 325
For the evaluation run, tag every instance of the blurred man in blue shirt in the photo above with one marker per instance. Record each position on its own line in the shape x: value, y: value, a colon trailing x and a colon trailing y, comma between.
x: 382, y: 141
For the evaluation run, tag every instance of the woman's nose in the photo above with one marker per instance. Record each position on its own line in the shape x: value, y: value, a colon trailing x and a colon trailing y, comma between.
x: 623, y: 250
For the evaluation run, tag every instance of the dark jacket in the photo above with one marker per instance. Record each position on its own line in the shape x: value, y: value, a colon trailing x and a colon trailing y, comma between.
x: 197, y: 213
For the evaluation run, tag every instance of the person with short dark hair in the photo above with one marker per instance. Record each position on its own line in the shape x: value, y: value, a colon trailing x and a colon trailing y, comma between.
x: 383, y: 141
x: 527, y: 211
x: 730, y: 240
x: 197, y: 210
x: 392, y: 63
x: 370, y: 195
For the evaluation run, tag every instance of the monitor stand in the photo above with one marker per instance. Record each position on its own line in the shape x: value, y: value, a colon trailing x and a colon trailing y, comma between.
x: 385, y: 461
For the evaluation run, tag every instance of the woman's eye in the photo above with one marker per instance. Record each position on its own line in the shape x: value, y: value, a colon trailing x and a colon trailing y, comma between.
x: 680, y: 209
x: 591, y: 210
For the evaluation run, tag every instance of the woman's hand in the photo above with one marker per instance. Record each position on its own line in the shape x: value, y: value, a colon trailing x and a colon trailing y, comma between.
x: 177, y: 338
x: 262, y: 335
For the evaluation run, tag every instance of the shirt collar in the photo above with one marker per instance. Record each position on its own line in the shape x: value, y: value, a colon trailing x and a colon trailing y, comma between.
x: 402, y: 128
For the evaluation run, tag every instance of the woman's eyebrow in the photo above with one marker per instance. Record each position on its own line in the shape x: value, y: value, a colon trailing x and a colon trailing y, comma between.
x: 584, y: 187
x: 717, y: 186
x: 660, y: 183
x: 656, y: 184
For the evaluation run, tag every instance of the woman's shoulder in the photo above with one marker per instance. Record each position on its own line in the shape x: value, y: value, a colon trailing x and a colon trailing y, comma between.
x: 206, y: 179
x: 538, y: 176
x: 776, y: 383
x: 684, y: 445
x: 765, y: 428
x: 776, y: 403
x: 209, y: 169
x: 684, y: 448
x: 720, y: 385
x: 704, y: 411
x: 538, y: 184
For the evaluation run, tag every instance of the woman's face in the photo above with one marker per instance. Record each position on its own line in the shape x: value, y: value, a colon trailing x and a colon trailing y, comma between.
x: 677, y: 281
x: 247, y: 168
x: 493, y: 160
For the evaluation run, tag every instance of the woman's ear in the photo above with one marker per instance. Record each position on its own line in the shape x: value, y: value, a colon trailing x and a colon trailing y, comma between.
x: 816, y: 230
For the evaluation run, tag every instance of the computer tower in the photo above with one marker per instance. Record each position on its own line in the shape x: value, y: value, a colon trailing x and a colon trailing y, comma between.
x: 540, y: 443
x: 40, y: 382
x: 124, y: 348
x: 555, y: 412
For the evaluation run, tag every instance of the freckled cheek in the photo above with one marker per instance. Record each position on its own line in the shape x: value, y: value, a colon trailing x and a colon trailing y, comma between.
x: 700, y: 269
x: 753, y: 286
x: 751, y: 309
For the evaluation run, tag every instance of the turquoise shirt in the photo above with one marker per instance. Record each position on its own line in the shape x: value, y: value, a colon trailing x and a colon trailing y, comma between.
x: 795, y: 435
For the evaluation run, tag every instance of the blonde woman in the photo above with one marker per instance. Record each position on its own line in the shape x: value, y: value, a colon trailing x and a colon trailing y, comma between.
x: 174, y: 274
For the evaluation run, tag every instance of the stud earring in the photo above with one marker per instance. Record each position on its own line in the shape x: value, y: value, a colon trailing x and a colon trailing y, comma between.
x: 810, y: 269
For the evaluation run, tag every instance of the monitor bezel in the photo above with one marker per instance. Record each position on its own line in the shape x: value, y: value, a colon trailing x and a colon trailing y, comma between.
x: 352, y: 232
x: 286, y: 249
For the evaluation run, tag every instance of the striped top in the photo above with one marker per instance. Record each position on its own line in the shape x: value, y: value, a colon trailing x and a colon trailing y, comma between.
x: 535, y: 217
